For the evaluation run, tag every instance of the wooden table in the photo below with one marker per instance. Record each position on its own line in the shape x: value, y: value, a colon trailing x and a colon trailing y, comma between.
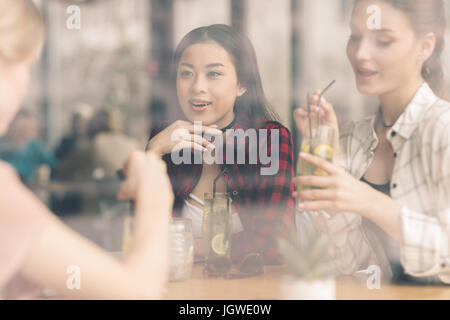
x: 267, y: 287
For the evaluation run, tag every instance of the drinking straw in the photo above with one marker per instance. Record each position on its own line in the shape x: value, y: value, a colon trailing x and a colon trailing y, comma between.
x: 320, y: 99
x: 217, y: 179
x: 223, y: 172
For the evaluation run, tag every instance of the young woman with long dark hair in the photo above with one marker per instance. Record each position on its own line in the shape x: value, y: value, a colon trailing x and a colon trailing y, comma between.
x: 218, y: 85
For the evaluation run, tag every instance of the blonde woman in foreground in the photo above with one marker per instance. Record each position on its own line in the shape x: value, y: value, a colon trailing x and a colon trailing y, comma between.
x: 35, y: 247
x: 390, y: 207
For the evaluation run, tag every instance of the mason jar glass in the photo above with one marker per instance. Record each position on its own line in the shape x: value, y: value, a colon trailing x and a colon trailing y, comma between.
x: 181, y: 249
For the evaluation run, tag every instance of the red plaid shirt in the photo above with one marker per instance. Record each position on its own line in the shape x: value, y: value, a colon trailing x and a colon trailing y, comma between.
x: 263, y: 202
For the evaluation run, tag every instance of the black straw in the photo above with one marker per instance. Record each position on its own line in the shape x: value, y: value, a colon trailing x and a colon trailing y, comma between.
x: 320, y: 99
x: 225, y: 170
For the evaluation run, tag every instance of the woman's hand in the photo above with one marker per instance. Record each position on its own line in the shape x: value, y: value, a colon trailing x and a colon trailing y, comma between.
x: 339, y: 191
x: 180, y: 135
x: 327, y: 117
x: 146, y: 177
x: 327, y: 114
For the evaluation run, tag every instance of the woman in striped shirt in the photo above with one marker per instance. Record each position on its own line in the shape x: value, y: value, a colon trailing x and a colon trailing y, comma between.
x: 389, y: 199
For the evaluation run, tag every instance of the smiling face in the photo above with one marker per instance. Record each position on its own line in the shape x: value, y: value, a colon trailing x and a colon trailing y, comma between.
x: 207, y: 84
x: 385, y: 59
x: 14, y: 79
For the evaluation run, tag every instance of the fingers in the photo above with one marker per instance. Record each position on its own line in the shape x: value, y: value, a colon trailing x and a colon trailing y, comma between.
x: 153, y: 161
x: 325, y: 108
x: 193, y: 133
x: 189, y: 145
x: 135, y: 159
x: 214, y: 131
x: 315, y: 194
x: 324, y: 104
x: 123, y: 172
x: 126, y: 189
x: 302, y: 113
x: 196, y: 129
x: 315, y: 205
x: 200, y: 141
x: 301, y: 120
x: 315, y: 99
x: 123, y: 193
x: 135, y: 156
x: 182, y: 134
x: 142, y: 166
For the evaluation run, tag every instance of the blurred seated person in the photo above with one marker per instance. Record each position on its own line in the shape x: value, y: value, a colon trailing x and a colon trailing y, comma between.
x: 79, y: 124
x: 105, y: 151
x: 23, y: 150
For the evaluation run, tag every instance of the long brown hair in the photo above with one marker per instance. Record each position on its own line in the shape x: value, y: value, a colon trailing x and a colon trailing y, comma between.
x: 428, y: 16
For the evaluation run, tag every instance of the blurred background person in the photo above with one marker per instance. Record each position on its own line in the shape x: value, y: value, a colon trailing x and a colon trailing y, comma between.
x: 103, y: 153
x: 111, y: 147
x: 78, y: 134
x: 23, y: 149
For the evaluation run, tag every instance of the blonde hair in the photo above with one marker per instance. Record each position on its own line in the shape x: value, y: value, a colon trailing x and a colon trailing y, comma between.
x: 21, y: 30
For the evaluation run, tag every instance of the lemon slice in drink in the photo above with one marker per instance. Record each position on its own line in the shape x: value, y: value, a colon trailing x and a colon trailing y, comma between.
x: 325, y: 152
x: 218, y: 245
x: 305, y: 148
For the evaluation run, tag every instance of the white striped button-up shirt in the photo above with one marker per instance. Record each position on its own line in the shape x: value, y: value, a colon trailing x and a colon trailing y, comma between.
x: 420, y: 183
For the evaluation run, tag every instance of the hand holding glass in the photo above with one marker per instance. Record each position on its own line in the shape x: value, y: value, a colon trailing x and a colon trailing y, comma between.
x: 320, y: 144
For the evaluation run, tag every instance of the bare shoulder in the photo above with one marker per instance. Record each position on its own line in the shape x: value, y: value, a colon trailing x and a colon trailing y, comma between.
x: 15, y: 196
x: 10, y: 182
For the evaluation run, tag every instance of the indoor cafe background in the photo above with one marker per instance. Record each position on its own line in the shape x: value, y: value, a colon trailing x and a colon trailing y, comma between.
x: 119, y: 59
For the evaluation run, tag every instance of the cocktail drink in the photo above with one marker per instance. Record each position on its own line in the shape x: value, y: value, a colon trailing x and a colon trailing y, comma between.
x: 217, y: 234
x: 321, y: 144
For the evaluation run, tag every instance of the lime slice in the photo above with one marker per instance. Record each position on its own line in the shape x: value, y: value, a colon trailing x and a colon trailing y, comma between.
x: 218, y: 245
x: 325, y: 152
